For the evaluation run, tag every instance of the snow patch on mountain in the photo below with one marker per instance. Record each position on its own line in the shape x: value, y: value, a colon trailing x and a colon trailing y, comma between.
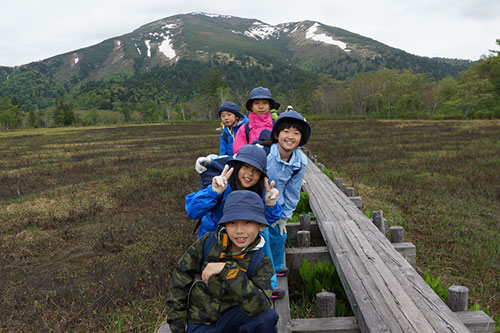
x: 311, y: 34
x: 260, y: 30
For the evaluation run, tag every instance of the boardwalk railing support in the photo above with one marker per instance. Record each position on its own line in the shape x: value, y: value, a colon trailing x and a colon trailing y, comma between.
x: 396, y: 234
x: 379, y: 221
x: 458, y: 298
x: 325, y: 304
x: 305, y: 222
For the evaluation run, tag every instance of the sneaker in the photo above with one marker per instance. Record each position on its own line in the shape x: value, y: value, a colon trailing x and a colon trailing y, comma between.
x: 282, y: 272
x: 278, y: 293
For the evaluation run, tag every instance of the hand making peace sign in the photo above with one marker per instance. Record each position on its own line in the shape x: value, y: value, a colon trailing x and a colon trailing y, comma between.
x: 271, y: 193
x: 219, y: 183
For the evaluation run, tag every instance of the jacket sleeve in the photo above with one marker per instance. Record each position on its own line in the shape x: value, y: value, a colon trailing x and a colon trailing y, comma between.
x: 291, y: 193
x: 197, y: 204
x: 274, y: 213
x: 253, y: 295
x: 183, y: 276
x: 240, y: 139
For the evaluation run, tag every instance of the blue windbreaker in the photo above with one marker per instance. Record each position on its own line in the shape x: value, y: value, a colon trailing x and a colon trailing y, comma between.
x: 287, y: 182
x: 227, y: 136
x: 199, y: 205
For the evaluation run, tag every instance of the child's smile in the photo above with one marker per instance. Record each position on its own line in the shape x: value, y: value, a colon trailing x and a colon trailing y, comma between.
x: 248, y: 175
x: 289, y: 138
x: 242, y: 233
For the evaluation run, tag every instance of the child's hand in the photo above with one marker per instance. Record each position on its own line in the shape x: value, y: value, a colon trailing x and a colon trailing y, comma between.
x: 201, y: 164
x: 219, y: 183
x: 271, y: 193
x: 211, y: 269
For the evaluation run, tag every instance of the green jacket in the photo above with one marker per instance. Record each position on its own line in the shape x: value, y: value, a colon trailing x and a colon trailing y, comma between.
x: 231, y: 287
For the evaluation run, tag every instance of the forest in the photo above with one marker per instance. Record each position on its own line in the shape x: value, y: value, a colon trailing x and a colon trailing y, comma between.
x: 193, y: 91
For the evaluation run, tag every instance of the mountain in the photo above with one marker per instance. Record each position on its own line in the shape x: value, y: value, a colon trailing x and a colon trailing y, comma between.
x: 168, y: 55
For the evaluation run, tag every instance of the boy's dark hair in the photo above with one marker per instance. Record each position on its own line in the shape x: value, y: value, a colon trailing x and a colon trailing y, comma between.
x: 287, y: 123
x: 235, y: 183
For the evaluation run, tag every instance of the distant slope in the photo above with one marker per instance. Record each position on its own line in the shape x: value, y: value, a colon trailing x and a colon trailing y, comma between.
x: 231, y: 44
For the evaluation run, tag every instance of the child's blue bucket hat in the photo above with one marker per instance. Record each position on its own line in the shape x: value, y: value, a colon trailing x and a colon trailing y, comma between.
x: 253, y: 155
x: 243, y: 205
x: 230, y: 107
x: 293, y: 116
x: 261, y: 93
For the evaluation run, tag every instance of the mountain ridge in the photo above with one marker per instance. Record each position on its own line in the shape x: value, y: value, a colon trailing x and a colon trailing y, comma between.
x: 309, y: 47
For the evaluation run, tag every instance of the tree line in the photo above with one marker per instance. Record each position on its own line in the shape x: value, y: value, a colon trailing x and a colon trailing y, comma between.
x: 193, y: 91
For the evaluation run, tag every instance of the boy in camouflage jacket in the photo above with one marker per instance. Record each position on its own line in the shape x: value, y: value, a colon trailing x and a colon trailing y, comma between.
x: 216, y: 294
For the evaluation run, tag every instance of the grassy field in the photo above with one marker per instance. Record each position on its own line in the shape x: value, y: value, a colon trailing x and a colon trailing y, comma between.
x: 92, y: 219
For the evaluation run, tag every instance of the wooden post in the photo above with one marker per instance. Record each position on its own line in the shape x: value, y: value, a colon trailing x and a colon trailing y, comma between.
x: 349, y: 191
x: 458, y: 298
x: 396, y: 234
x: 380, y: 221
x: 338, y: 182
x: 304, y: 238
x: 325, y: 304
x: 305, y: 222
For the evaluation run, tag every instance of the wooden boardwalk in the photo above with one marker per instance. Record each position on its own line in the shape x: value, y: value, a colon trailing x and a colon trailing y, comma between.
x: 384, y: 291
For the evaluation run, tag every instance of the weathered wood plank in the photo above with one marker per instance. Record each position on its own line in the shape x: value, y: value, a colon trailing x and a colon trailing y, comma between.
x: 293, y: 227
x: 323, y: 325
x: 475, y: 321
x: 295, y: 255
x: 385, y: 292
x: 282, y: 307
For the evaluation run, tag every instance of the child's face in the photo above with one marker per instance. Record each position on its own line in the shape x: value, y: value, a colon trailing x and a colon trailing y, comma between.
x: 248, y: 176
x: 228, y: 118
x: 261, y: 106
x: 289, y: 138
x: 242, y: 233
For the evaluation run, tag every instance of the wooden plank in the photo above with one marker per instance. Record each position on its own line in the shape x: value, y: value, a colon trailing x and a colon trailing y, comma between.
x: 408, y: 251
x: 295, y: 255
x: 475, y: 321
x: 385, y: 292
x: 282, y: 307
x: 293, y: 227
x: 325, y: 325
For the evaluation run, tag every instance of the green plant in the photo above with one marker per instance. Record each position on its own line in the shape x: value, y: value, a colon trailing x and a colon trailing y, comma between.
x: 435, y: 285
x: 322, y: 276
x: 302, y: 207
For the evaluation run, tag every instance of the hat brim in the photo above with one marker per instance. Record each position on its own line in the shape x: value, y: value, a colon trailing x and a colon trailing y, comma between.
x: 247, y: 161
x: 274, y: 105
x: 245, y: 216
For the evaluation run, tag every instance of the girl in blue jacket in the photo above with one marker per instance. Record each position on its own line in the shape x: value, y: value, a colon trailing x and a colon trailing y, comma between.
x: 231, y: 120
x: 247, y: 173
x: 286, y: 166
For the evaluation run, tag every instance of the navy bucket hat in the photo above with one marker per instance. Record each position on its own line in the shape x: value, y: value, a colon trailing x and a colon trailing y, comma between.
x: 253, y: 155
x: 261, y: 93
x: 293, y: 116
x: 230, y: 107
x: 243, y: 205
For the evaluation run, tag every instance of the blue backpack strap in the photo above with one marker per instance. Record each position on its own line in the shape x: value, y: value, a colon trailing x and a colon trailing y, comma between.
x: 257, y: 256
x: 224, y: 137
x: 207, y: 246
x: 247, y: 132
x: 254, y: 262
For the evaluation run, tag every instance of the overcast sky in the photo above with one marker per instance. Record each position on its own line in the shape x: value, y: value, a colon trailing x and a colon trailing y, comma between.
x: 32, y: 30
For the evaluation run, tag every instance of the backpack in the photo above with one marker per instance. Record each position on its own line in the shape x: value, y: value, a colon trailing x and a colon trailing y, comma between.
x: 254, y: 261
x: 216, y: 165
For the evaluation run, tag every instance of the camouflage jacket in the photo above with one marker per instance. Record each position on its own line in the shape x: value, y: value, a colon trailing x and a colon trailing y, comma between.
x: 191, y: 300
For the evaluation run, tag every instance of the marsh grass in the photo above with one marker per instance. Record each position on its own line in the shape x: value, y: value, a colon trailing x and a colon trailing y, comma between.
x: 439, y: 180
x: 92, y: 220
x: 91, y: 223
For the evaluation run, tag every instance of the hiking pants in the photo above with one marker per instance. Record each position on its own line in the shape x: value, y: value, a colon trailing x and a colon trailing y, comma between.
x: 235, y: 320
